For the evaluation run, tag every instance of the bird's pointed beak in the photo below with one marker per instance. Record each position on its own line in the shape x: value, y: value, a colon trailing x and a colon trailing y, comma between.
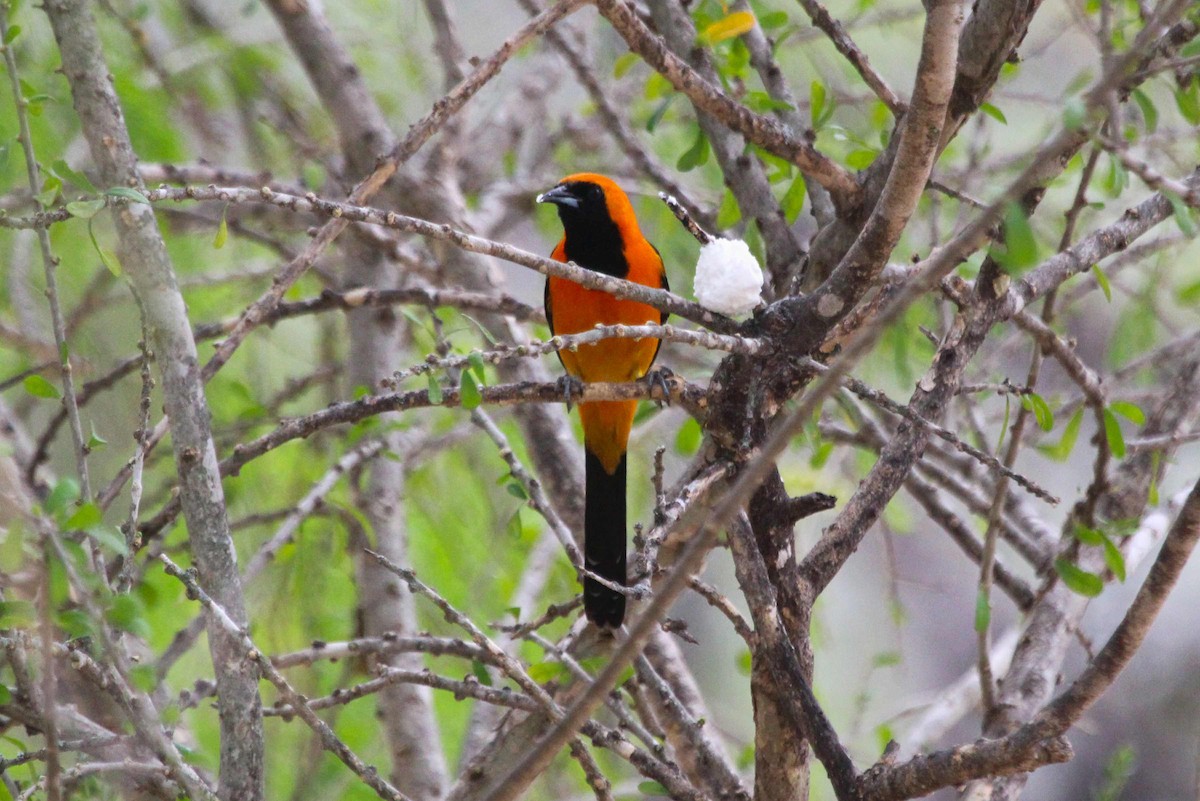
x: 559, y: 196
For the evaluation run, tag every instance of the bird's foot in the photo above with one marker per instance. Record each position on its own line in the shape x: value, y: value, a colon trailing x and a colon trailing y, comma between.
x: 661, y: 377
x: 570, y: 387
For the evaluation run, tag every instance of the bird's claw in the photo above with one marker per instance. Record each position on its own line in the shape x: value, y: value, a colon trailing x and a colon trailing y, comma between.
x: 569, y: 386
x: 661, y: 377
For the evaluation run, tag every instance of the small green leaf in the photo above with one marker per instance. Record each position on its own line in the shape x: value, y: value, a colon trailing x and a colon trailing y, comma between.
x: 1112, y: 433
x: 1061, y: 451
x: 1041, y: 410
x: 817, y: 96
x: 695, y: 155
x: 126, y: 193
x: 1182, y: 214
x: 1074, y: 114
x: 887, y: 659
x: 39, y: 387
x: 773, y: 19
x: 624, y: 64
x: 515, y: 489
x: 95, y: 441
x: 1088, y: 536
x: 85, y: 516
x: 1077, y: 579
x: 13, y: 32
x: 480, y: 672
x: 61, y: 496
x: 110, y: 538
x: 542, y: 672
x: 143, y: 677
x: 128, y: 614
x: 1102, y: 280
x: 63, y: 170
x: 16, y: 614
x: 85, y: 209
x: 50, y: 189
x: 107, y: 257
x: 653, y: 788
x: 514, y: 528
x: 222, y: 230
x: 475, y: 359
x: 729, y: 213
x: 983, y: 610
x: 861, y: 159
x: 995, y: 113
x: 687, y: 440
x: 659, y: 113
x: 435, y: 389
x: 1130, y: 411
x: 1114, y: 559
x: 1149, y: 112
x: 734, y: 24
x: 469, y: 391
x: 1020, y: 250
x: 793, y: 199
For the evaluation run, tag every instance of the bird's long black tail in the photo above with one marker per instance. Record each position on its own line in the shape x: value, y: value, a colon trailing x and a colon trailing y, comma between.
x: 604, y: 540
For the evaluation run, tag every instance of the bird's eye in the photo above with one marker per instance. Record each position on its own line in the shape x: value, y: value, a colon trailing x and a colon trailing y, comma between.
x: 595, y: 192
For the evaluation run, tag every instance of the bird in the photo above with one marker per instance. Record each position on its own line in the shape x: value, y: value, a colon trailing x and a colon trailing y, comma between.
x: 601, y: 233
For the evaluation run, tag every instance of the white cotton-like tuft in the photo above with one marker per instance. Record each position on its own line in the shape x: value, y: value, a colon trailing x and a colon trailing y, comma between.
x: 728, y: 278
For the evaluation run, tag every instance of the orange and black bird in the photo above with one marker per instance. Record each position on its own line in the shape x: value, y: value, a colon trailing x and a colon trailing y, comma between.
x: 601, y: 233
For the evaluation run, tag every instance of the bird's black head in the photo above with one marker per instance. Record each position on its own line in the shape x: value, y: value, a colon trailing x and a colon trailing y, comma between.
x: 592, y: 209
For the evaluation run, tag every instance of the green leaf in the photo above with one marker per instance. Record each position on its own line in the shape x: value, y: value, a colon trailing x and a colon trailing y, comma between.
x: 469, y: 391
x: 659, y: 113
x: 16, y: 614
x: 13, y: 32
x: 50, y: 189
x: 63, y: 170
x: 1130, y: 411
x: 1062, y: 451
x: 729, y: 213
x: 1114, y: 559
x: 475, y: 359
x: 861, y: 159
x: 128, y: 614
x: 480, y: 672
x: 61, y: 496
x: 513, y: 527
x: 653, y: 788
x: 1188, y: 101
x: 687, y: 440
x: 222, y: 230
x: 695, y: 155
x: 793, y: 199
x: 132, y: 195
x: 85, y: 209
x: 1182, y: 214
x: 1035, y: 403
x: 1077, y: 579
x: 95, y: 441
x: 435, y: 389
x: 1102, y: 280
x: 542, y: 672
x: 143, y: 677
x: 1112, y: 432
x: 39, y: 387
x: 85, y: 516
x: 818, y: 97
x: 994, y: 113
x: 515, y: 489
x: 773, y: 19
x: 107, y: 257
x: 1149, y: 112
x: 983, y: 610
x: 732, y: 25
x: 1074, y: 114
x: 1020, y: 246
x: 624, y: 64
x: 1088, y: 536
x: 110, y: 538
